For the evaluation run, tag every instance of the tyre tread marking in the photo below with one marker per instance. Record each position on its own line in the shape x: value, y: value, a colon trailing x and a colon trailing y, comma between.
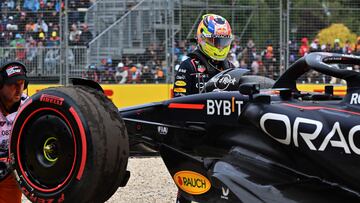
x: 83, y: 142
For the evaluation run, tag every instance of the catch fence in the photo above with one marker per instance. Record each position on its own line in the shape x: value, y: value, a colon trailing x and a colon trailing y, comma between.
x: 144, y: 41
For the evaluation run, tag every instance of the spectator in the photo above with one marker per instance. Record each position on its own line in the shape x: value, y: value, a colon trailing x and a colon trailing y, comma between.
x: 30, y: 26
x: 236, y: 48
x: 91, y: 73
x: 146, y: 76
x: 159, y: 75
x: 50, y: 28
x: 293, y: 49
x: 18, y: 41
x: 327, y: 47
x: 40, y: 44
x: 51, y: 59
x: 251, y: 51
x: 11, y: 24
x: 41, y: 26
x: 107, y: 73
x: 19, y: 44
x: 86, y: 36
x: 54, y: 40
x: 74, y: 35
x: 101, y: 68
x: 21, y: 22
x: 314, y: 46
x: 31, y: 5
x: 58, y: 6
x: 10, y: 4
x: 255, y: 66
x: 53, y: 18
x: 269, y: 61
x: 3, y: 41
x: 347, y: 49
x: 191, y: 48
x: 108, y: 77
x: 134, y: 75
x: 121, y: 73
x: 243, y: 64
x: 357, y: 47
x: 337, y: 48
x: 304, y: 48
x: 42, y: 6
x: 109, y: 65
x: 50, y: 6
x: 42, y: 37
x: 31, y: 50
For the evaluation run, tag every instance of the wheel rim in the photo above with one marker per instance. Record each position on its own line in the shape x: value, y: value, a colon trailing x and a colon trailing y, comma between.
x: 48, y: 150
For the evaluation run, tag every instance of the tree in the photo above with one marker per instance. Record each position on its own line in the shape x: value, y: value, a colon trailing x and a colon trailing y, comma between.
x: 336, y: 31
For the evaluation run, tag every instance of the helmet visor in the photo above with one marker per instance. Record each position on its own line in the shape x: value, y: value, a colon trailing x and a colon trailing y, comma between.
x: 219, y: 42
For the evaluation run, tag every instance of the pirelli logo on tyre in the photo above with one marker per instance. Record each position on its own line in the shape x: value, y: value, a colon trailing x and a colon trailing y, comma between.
x: 51, y: 99
x: 192, y: 182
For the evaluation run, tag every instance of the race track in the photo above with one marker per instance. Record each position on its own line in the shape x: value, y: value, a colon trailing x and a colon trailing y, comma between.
x: 150, y: 182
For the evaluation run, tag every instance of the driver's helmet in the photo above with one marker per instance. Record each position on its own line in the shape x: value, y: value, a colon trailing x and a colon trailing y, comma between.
x: 214, y: 36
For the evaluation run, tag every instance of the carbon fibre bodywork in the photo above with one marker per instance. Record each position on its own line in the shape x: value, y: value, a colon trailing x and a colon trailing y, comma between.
x: 277, y: 145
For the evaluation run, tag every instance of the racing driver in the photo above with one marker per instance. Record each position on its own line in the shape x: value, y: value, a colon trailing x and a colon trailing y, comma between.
x: 214, y: 39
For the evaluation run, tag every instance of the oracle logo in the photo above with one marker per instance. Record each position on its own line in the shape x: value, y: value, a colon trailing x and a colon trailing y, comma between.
x: 293, y: 132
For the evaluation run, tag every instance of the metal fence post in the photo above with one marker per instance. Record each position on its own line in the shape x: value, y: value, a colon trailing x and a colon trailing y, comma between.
x: 288, y: 6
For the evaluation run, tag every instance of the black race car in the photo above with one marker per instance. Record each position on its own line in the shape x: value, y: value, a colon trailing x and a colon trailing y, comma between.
x: 244, y: 139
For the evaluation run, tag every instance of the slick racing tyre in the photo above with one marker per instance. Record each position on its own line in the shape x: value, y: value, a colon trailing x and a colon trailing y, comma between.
x: 69, y: 144
x: 264, y: 82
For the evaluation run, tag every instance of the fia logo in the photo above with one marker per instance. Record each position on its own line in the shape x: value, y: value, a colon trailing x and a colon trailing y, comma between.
x: 225, y: 193
x: 162, y: 130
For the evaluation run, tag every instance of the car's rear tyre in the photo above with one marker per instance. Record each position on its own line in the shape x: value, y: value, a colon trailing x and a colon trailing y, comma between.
x: 69, y: 144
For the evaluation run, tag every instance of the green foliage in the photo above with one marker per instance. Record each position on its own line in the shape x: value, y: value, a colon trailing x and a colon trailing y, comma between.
x: 336, y: 31
x: 309, y: 17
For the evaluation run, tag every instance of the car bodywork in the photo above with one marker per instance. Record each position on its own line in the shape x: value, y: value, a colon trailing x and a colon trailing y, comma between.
x: 251, y: 145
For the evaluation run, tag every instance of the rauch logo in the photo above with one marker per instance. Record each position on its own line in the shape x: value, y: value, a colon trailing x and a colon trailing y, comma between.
x: 192, y: 182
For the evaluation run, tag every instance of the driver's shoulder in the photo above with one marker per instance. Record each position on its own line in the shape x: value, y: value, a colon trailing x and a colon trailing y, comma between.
x: 188, y: 66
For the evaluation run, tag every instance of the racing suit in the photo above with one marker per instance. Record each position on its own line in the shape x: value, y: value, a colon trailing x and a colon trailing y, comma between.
x: 195, y: 71
x: 9, y: 190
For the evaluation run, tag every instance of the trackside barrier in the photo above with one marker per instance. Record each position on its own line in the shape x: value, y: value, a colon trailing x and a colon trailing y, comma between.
x: 130, y: 95
x: 126, y: 95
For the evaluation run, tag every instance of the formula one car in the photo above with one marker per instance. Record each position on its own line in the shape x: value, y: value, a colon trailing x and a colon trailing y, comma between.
x: 244, y: 139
